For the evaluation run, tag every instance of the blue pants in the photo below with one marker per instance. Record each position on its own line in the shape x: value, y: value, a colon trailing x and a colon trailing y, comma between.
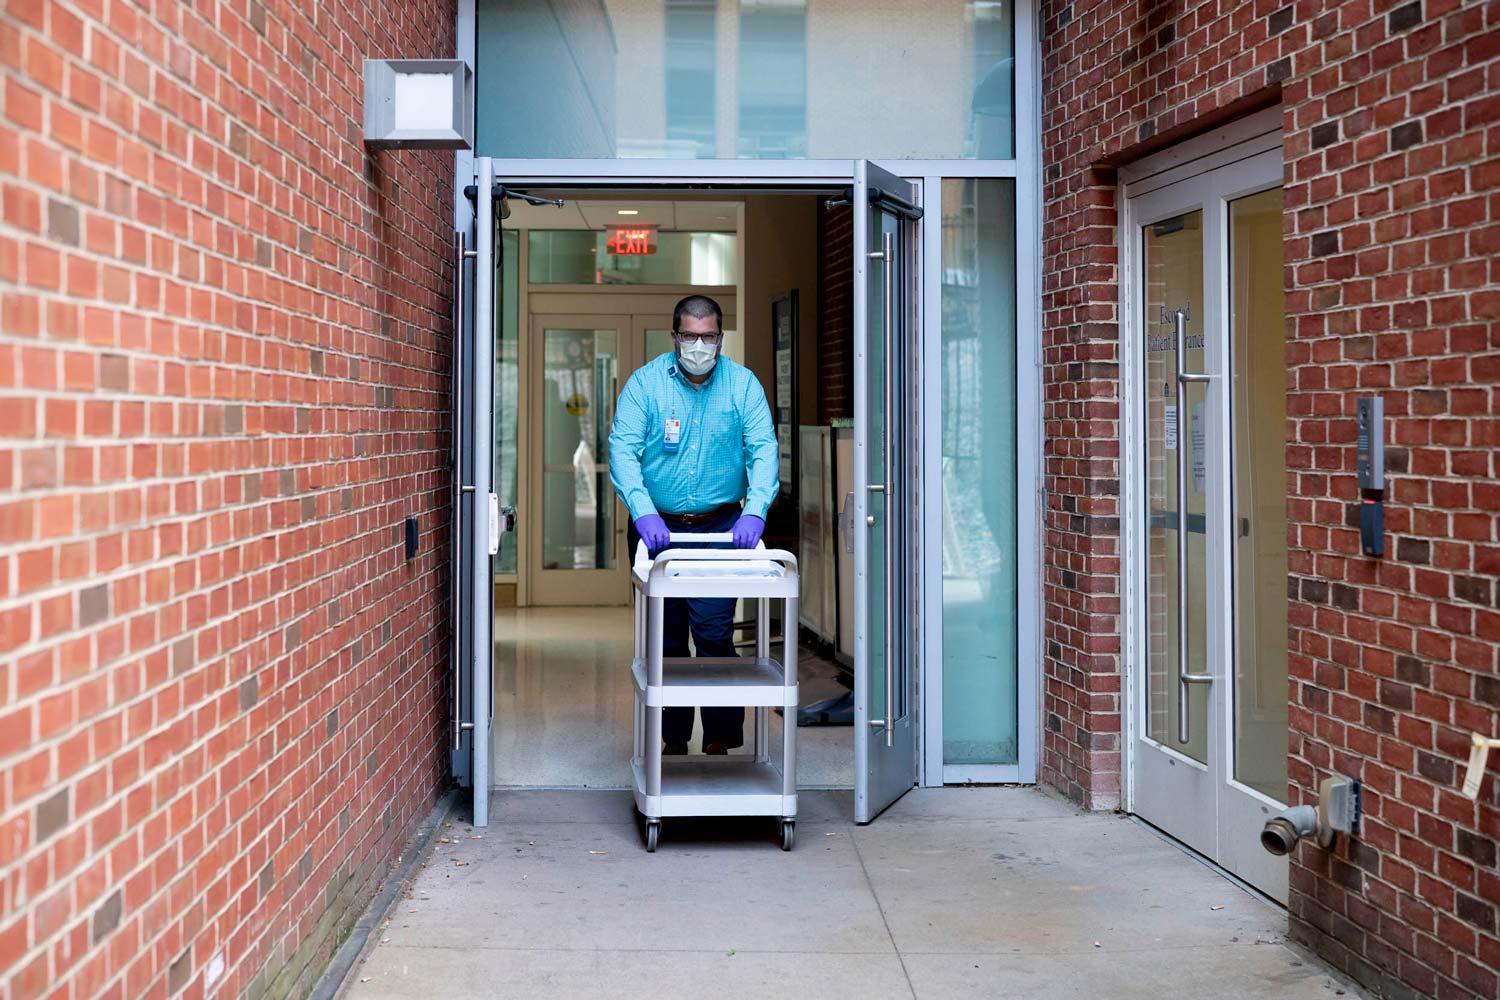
x: 711, y: 623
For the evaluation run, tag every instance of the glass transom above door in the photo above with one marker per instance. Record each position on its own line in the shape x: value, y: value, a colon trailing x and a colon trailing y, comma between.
x: 745, y: 79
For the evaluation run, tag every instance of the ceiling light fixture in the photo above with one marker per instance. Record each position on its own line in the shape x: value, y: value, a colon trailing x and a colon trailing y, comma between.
x: 628, y: 211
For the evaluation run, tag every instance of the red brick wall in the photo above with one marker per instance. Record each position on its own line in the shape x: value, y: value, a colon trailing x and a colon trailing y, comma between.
x: 1391, y: 115
x: 835, y: 354
x: 222, y: 388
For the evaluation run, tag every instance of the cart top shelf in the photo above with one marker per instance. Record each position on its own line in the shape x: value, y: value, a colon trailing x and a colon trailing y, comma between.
x: 705, y: 572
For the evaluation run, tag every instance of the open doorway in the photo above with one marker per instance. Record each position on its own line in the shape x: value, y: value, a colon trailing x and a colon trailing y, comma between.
x: 587, y: 297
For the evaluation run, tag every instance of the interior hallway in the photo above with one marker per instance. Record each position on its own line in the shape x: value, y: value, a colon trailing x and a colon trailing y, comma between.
x: 563, y: 702
x: 952, y: 893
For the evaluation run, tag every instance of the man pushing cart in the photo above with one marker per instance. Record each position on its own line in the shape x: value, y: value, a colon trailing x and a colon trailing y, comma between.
x: 692, y: 440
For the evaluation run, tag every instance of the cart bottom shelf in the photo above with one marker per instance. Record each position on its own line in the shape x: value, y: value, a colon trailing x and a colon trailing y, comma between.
x: 714, y: 786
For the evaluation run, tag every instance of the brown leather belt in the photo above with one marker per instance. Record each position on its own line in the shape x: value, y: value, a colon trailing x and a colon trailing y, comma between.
x: 688, y: 520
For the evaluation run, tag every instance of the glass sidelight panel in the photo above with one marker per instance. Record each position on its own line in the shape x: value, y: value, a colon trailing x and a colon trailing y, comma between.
x: 1257, y: 315
x: 1172, y: 293
x: 580, y: 374
x: 979, y: 472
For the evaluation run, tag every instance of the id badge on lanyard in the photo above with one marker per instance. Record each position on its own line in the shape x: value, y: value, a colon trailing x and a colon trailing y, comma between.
x: 671, y: 436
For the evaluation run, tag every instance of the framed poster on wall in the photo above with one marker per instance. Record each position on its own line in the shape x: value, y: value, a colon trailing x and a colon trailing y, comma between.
x: 784, y: 403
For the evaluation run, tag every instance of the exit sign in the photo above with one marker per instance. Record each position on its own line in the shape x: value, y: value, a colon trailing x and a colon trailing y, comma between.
x: 631, y: 241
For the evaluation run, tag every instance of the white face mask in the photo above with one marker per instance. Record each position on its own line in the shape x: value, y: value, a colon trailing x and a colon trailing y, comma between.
x: 697, y: 357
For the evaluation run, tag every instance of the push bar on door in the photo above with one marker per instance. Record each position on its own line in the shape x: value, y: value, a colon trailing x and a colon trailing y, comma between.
x: 1184, y: 378
x: 887, y: 256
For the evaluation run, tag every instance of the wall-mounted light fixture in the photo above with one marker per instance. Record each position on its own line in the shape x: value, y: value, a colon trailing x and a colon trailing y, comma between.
x: 419, y: 104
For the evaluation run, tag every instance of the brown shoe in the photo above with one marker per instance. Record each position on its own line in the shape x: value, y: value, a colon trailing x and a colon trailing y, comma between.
x: 674, y: 749
x: 716, y: 750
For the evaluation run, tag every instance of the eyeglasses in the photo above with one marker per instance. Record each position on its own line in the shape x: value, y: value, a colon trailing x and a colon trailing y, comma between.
x: 707, y: 338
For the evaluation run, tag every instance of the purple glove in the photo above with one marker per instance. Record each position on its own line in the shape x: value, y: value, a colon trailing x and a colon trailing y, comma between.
x: 653, y: 531
x: 747, y: 531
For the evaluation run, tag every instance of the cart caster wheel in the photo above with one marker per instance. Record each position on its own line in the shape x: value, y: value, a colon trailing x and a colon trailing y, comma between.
x: 653, y: 831
x: 788, y: 834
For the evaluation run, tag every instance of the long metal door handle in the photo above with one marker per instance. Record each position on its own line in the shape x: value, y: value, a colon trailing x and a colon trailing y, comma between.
x: 888, y: 245
x: 887, y: 256
x: 1184, y: 676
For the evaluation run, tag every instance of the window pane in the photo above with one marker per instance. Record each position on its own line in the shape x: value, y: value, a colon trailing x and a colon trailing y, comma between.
x: 1175, y: 429
x: 773, y: 81
x: 580, y: 373
x: 1260, y: 558
x: 582, y: 257
x: 759, y: 79
x: 689, y: 77
x: 979, y: 472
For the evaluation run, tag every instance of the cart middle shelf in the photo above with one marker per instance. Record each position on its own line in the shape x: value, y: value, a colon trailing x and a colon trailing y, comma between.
x: 716, y: 681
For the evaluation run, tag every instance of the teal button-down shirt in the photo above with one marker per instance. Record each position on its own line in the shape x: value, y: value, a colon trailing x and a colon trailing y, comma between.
x: 726, y: 451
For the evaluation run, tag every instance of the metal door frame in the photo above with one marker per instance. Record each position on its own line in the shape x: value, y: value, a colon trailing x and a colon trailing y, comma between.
x: 1211, y: 172
x: 823, y: 176
x: 1025, y: 169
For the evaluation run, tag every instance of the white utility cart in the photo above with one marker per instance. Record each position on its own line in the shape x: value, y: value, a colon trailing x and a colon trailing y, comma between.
x: 755, y: 784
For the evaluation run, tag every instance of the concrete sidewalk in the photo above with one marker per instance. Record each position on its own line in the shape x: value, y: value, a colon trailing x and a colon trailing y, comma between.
x: 952, y: 893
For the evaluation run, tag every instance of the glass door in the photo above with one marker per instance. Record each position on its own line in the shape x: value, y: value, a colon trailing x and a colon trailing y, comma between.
x: 1257, y: 697
x: 886, y: 233
x: 1174, y: 773
x: 1205, y: 448
x: 578, y: 544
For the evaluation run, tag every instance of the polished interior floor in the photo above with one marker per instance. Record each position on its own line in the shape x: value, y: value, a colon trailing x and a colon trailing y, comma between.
x: 563, y: 703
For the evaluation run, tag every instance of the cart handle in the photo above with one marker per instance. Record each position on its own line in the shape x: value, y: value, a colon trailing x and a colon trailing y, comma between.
x: 758, y: 554
x: 711, y: 537
x: 663, y: 559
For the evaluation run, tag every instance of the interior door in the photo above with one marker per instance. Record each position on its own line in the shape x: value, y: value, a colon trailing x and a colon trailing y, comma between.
x: 477, y: 517
x: 578, y: 526
x: 886, y: 298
